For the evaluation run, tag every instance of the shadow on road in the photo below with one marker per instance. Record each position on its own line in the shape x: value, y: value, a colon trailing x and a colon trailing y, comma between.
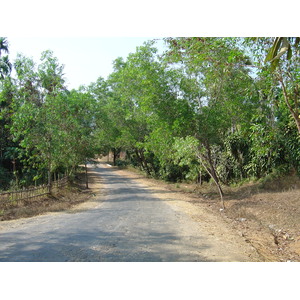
x: 95, y: 245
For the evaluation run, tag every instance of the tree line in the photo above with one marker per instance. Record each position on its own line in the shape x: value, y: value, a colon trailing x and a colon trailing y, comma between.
x: 45, y: 128
x: 219, y: 109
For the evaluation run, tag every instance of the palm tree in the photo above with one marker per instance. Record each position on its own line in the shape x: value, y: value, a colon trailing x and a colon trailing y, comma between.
x: 289, y: 83
x: 5, y: 65
x: 3, y: 45
x: 281, y: 45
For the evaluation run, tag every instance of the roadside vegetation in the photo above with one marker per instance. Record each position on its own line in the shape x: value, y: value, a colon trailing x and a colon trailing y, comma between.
x: 218, y: 110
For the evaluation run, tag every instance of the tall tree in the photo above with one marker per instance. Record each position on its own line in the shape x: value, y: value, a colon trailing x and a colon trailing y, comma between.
x: 5, y: 65
x: 282, y: 56
x: 218, y: 67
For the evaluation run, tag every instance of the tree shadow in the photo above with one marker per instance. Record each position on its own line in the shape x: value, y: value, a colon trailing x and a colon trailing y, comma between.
x: 94, y: 245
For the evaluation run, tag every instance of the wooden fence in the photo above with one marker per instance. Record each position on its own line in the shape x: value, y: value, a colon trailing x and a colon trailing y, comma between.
x: 24, y: 194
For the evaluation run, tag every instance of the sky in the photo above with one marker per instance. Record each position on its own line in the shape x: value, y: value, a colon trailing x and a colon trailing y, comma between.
x: 88, y: 36
x: 84, y: 58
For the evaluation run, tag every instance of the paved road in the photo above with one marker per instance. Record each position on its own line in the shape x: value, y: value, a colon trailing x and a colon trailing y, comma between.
x: 129, y: 225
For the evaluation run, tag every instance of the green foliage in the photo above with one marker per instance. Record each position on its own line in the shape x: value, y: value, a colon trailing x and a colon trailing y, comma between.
x: 281, y: 46
x: 208, y: 107
x: 50, y: 129
x: 185, y: 155
x: 5, y: 65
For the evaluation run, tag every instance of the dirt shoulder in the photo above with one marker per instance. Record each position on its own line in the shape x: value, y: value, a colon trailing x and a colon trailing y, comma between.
x: 267, y: 221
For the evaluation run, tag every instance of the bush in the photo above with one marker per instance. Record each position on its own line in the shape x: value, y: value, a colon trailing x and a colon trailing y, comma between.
x: 121, y: 163
x: 5, y: 178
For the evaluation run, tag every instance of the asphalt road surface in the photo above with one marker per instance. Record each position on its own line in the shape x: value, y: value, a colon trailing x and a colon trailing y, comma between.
x: 127, y: 223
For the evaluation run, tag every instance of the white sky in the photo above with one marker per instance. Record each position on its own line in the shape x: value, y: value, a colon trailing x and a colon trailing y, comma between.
x: 86, y: 36
x: 85, y: 59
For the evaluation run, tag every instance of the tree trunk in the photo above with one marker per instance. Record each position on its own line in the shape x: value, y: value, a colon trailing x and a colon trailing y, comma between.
x: 215, y: 178
x: 114, y: 156
x: 211, y: 171
x: 86, y: 177
x: 49, y: 181
x: 200, y: 178
x: 294, y: 111
x: 143, y: 163
x: 116, y: 152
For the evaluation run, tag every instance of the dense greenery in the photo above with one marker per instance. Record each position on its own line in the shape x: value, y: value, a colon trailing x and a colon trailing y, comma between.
x: 220, y: 109
x: 45, y: 129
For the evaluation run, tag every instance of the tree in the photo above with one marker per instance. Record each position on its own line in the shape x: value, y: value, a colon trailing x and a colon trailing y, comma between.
x: 284, y: 59
x: 287, y: 72
x: 281, y: 46
x: 5, y: 65
x: 51, y: 73
x: 53, y: 125
x: 7, y: 147
x: 219, y: 69
x: 3, y: 45
x: 147, y: 95
x: 130, y: 88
